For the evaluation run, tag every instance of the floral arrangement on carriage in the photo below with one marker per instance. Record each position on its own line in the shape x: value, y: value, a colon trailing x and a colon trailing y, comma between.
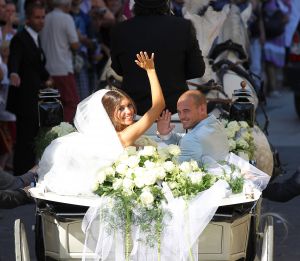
x: 144, y: 192
x: 240, y: 138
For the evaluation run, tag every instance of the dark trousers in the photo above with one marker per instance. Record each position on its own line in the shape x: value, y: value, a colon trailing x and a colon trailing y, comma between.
x: 24, y: 157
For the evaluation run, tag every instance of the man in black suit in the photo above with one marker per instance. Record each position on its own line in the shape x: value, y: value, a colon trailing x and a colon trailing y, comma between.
x: 26, y: 66
x: 172, y: 39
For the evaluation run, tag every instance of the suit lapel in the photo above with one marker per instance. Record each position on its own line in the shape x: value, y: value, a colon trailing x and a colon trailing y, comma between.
x: 36, y: 50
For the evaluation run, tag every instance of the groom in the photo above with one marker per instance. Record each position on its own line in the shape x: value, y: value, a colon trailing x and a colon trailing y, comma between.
x: 206, y: 138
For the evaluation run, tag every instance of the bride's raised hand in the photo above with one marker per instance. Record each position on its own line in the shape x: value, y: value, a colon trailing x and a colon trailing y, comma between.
x: 144, y: 61
x: 130, y: 134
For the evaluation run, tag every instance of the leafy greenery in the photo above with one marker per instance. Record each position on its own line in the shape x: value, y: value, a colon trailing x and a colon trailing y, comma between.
x: 43, y: 139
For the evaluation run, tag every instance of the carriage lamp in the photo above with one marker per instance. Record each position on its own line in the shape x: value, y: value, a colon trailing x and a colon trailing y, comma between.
x: 50, y: 109
x: 242, y: 107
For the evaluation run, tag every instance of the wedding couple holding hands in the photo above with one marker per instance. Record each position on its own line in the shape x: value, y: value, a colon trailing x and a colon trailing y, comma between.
x: 105, y: 126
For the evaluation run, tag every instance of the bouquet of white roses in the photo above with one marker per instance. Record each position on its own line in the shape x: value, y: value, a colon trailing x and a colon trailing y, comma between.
x: 240, y: 138
x: 142, y: 181
x: 46, y: 136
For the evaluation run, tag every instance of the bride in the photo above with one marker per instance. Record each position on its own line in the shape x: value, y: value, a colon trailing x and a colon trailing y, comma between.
x: 105, y: 125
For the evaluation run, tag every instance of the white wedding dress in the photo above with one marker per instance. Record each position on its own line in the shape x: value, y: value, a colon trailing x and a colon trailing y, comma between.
x: 69, y: 164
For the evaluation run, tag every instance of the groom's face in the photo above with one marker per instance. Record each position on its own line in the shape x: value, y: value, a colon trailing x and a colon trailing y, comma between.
x: 189, y: 113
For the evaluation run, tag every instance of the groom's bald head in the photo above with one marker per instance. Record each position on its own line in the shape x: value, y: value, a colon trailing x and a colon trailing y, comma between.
x: 197, y: 96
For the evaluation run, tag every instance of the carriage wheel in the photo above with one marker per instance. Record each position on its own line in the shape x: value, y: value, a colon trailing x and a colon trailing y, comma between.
x: 21, y: 244
x: 268, y: 240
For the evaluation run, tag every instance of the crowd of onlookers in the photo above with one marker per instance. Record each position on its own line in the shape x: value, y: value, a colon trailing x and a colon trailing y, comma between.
x: 271, y: 30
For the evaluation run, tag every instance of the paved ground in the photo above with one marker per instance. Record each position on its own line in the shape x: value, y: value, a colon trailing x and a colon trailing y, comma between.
x: 284, y: 135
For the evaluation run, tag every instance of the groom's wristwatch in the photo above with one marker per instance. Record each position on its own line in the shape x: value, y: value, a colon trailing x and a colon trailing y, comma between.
x: 164, y: 137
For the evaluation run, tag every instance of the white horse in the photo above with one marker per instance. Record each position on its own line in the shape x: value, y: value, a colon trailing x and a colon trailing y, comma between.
x: 225, y: 62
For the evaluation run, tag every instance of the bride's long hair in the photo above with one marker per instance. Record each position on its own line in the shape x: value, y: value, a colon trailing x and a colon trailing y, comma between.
x: 111, y: 101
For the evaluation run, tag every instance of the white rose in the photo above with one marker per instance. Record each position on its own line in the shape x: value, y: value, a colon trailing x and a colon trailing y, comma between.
x: 163, y: 153
x: 233, y: 125
x: 246, y: 135
x: 169, y: 166
x: 121, y: 168
x: 133, y: 161
x: 139, y: 181
x: 230, y: 133
x: 109, y: 171
x: 149, y: 178
x: 63, y: 128
x: 129, y: 173
x: 117, y: 184
x: 101, y: 176
x: 146, y: 197
x: 147, y: 151
x: 123, y: 157
x: 241, y: 143
x: 172, y: 185
x: 195, y: 177
x: 127, y: 184
x: 149, y: 164
x: 159, y: 172
x: 174, y: 150
x: 66, y: 128
x: 57, y: 130
x: 139, y: 171
x: 194, y: 165
x: 244, y: 124
x: 232, y: 144
x: 131, y: 150
x: 185, y: 167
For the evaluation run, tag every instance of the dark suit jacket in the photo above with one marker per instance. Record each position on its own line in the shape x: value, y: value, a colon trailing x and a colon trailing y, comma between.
x: 177, y: 56
x: 11, y: 193
x: 28, y: 61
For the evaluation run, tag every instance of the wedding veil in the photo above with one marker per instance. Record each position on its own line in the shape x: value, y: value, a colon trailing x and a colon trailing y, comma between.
x: 69, y: 164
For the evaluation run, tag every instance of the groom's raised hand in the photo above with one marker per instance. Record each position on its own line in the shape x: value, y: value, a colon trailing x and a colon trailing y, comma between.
x: 164, y: 126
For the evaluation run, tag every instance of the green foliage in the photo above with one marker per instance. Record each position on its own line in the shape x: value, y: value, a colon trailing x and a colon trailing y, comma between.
x: 43, y: 139
x: 236, y: 185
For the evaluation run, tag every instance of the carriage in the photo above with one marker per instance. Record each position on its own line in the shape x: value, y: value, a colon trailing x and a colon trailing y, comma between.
x: 232, y: 234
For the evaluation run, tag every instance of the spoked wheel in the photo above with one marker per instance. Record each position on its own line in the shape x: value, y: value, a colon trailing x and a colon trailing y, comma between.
x: 21, y: 244
x: 297, y: 103
x: 268, y: 240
